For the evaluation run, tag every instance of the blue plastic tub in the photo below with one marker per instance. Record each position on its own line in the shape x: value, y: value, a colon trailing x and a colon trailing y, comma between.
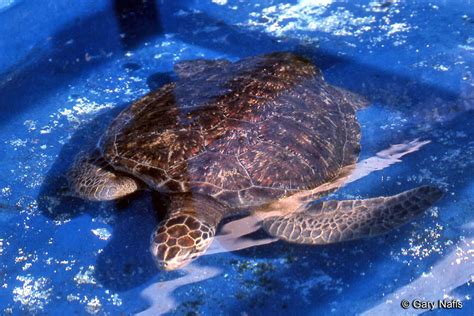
x: 68, y: 67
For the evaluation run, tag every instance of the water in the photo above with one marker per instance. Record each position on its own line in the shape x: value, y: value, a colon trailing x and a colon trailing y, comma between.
x: 67, y: 69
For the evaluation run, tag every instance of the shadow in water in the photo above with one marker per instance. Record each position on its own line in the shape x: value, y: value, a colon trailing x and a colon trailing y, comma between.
x: 138, y: 20
x: 159, y: 79
x: 125, y: 261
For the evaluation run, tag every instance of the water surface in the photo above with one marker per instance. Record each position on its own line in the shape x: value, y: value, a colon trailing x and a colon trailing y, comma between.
x: 67, y: 70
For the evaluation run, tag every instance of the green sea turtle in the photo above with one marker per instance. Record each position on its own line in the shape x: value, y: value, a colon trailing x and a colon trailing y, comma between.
x: 259, y: 135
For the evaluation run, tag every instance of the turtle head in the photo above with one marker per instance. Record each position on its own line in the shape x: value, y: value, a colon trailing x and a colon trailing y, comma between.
x: 179, y: 240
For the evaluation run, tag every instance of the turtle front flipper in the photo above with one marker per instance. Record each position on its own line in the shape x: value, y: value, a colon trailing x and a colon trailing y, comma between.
x: 187, y: 230
x: 92, y: 178
x: 335, y: 221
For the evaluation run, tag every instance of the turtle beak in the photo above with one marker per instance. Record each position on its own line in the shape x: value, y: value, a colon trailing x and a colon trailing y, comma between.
x: 172, y: 265
x: 169, y: 263
x: 167, y: 267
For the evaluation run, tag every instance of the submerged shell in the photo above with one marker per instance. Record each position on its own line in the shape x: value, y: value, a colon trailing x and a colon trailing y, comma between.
x: 245, y: 132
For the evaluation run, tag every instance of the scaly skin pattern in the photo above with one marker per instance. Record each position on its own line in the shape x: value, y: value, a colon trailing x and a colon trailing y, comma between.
x: 187, y: 231
x: 92, y: 178
x: 335, y: 221
x: 180, y: 239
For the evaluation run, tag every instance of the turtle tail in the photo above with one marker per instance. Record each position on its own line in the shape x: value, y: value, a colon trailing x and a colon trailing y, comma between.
x: 335, y: 221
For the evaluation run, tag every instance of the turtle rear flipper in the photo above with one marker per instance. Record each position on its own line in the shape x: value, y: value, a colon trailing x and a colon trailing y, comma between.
x: 335, y: 221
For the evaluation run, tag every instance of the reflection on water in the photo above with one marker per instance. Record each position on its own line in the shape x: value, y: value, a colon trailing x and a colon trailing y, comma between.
x: 159, y: 295
x: 438, y: 283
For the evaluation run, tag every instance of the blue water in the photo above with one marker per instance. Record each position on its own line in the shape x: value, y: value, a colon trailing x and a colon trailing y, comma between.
x: 67, y: 68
